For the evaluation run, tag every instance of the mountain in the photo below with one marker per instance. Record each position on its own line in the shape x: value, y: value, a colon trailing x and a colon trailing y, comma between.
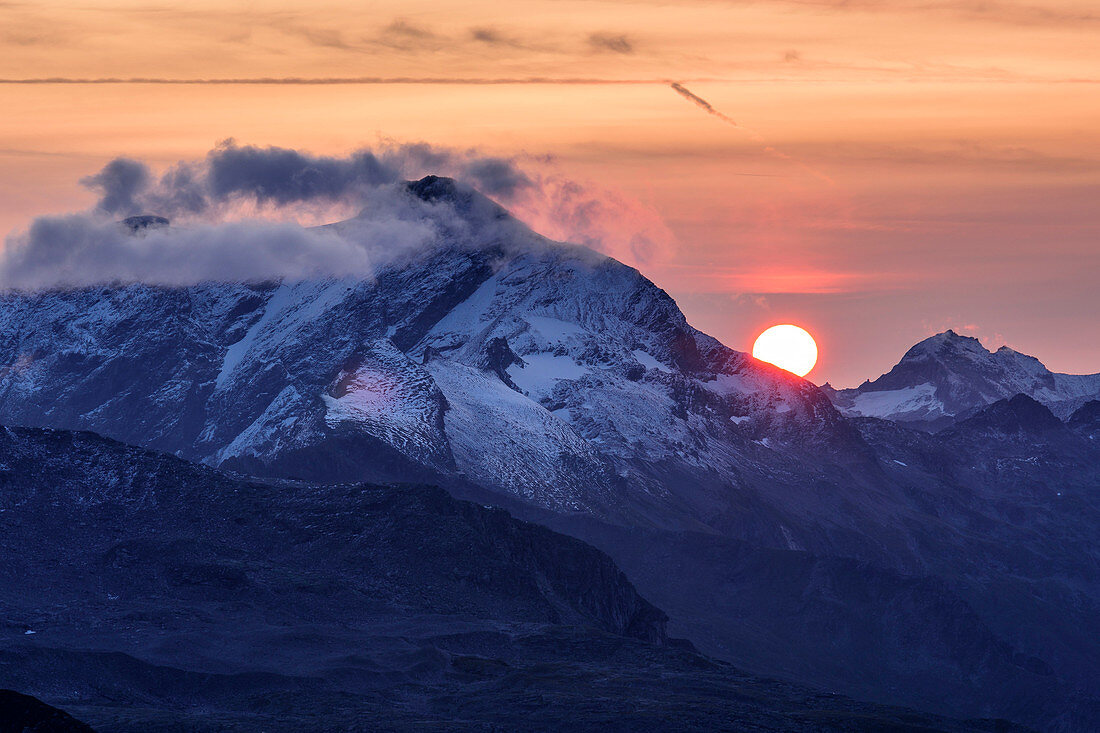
x: 848, y: 554
x: 948, y: 376
x: 541, y: 370
x: 146, y: 593
x: 1086, y: 420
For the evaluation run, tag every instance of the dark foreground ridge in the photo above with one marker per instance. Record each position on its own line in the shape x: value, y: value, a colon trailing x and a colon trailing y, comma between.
x: 145, y: 593
x: 25, y: 714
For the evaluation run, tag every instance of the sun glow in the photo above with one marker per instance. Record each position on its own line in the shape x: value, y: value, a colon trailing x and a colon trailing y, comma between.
x: 788, y: 347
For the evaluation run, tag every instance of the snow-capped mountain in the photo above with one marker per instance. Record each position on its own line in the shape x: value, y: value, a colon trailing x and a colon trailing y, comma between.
x: 948, y: 376
x: 539, y: 369
x: 564, y: 385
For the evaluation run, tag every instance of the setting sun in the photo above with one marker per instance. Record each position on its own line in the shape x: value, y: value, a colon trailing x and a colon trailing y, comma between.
x: 788, y: 347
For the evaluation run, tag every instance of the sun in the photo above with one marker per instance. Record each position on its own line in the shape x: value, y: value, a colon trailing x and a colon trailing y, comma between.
x: 788, y: 347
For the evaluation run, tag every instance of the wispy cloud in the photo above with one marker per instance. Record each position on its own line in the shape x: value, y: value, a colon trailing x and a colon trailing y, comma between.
x: 992, y: 11
x: 762, y: 281
x: 494, y: 37
x: 403, y: 35
x: 986, y: 10
x: 614, y: 42
x: 367, y: 80
x: 701, y: 103
x: 757, y: 137
x: 962, y: 154
x: 240, y: 213
x: 282, y: 177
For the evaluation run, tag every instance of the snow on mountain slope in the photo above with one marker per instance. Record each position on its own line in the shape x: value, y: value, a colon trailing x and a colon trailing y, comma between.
x: 608, y: 388
x: 395, y: 400
x: 948, y: 376
x: 541, y: 369
x: 898, y: 403
x: 501, y: 438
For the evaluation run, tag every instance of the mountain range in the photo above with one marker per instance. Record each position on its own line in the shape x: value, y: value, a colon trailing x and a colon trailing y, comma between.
x: 947, y: 377
x: 830, y: 538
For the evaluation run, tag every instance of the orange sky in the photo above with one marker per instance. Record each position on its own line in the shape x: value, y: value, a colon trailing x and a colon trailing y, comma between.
x: 901, y: 166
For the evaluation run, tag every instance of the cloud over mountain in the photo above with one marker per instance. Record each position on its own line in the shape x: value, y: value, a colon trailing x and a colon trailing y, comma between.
x: 281, y: 177
x: 241, y: 213
x: 80, y: 250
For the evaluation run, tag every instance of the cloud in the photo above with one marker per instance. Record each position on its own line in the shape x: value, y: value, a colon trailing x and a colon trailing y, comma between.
x: 349, y: 80
x: 402, y: 27
x: 77, y: 250
x: 492, y: 175
x: 492, y: 37
x: 405, y: 36
x: 701, y: 103
x: 608, y: 222
x: 611, y: 42
x: 232, y: 176
x: 1010, y: 13
x: 755, y: 136
x: 282, y: 176
x: 80, y: 250
x: 240, y: 214
x: 496, y: 176
x: 119, y: 184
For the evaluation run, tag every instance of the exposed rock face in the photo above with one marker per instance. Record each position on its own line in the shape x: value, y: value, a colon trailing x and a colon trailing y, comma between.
x: 947, y: 377
x: 497, y: 358
x: 144, y: 222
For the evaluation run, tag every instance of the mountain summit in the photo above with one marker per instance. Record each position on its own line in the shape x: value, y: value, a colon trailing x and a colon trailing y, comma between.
x: 541, y: 370
x: 948, y: 376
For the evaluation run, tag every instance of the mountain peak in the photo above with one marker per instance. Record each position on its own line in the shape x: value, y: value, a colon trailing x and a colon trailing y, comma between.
x: 435, y: 188
x: 1017, y: 414
x: 947, y: 343
x: 469, y: 203
x: 144, y: 222
x: 1086, y: 420
x: 948, y: 376
x: 1088, y: 411
x: 949, y: 336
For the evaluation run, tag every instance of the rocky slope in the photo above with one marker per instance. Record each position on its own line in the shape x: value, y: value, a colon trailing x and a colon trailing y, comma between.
x: 145, y: 593
x: 140, y: 522
x: 948, y: 376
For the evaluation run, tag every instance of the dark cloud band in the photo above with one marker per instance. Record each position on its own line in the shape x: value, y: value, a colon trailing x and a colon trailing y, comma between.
x: 283, y: 176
